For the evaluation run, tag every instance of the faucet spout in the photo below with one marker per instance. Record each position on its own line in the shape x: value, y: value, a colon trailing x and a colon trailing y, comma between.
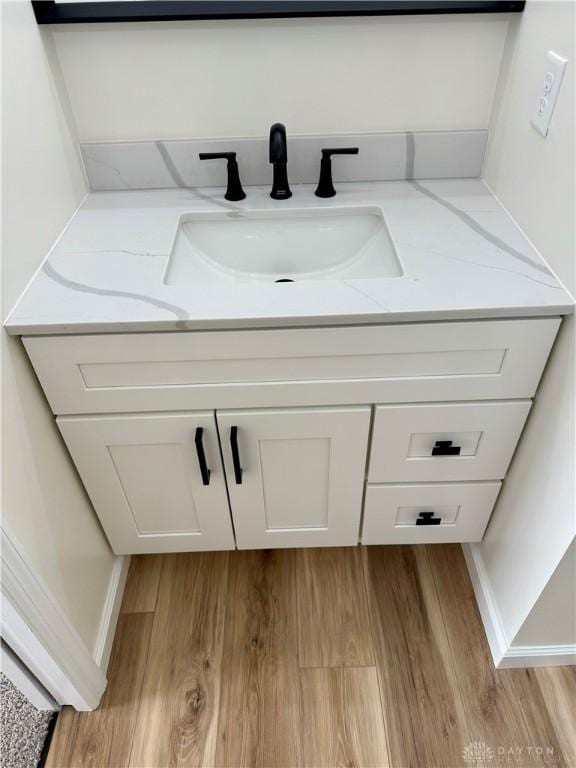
x: 278, y: 157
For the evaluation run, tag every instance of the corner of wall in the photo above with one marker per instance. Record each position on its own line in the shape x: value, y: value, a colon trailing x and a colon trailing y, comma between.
x: 533, y: 522
x: 507, y: 654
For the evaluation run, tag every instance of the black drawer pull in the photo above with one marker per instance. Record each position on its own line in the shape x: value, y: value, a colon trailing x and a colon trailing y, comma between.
x: 235, y: 455
x: 204, y: 471
x: 445, y: 448
x: 427, y: 518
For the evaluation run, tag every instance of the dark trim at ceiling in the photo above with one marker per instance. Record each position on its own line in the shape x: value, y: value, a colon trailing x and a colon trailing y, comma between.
x: 50, y: 12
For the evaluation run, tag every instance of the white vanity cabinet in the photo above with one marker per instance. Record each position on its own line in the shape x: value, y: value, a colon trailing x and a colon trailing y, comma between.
x: 295, y: 476
x: 286, y: 417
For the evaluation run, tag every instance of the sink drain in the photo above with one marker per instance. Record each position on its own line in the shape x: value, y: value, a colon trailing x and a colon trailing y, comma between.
x: 284, y: 280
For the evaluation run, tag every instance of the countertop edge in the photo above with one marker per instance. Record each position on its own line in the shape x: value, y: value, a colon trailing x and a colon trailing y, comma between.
x: 275, y: 323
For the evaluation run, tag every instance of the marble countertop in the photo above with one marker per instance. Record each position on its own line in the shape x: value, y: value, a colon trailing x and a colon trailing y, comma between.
x: 462, y: 256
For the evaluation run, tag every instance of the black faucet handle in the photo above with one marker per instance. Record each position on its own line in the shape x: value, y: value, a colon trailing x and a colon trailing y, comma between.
x: 325, y: 186
x: 234, y: 189
x: 340, y: 151
x: 217, y: 155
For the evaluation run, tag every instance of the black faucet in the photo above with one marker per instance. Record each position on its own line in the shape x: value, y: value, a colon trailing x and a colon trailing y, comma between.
x: 279, y: 160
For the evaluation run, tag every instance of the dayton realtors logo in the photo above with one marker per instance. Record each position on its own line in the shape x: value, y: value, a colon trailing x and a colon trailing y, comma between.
x: 479, y: 754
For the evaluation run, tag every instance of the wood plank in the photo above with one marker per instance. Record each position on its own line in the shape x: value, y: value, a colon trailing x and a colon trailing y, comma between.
x: 333, y: 618
x: 505, y: 709
x: 260, y: 717
x: 142, y: 584
x: 342, y: 722
x: 558, y: 686
x: 103, y: 738
x: 178, y: 712
x: 421, y: 703
x: 64, y: 737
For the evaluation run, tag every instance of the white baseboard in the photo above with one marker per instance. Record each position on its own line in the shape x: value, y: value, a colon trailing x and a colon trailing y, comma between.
x: 504, y: 654
x: 110, y: 612
x: 539, y: 656
x: 489, y: 612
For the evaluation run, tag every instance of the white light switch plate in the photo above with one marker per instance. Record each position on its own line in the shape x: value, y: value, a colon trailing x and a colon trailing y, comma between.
x: 548, y: 94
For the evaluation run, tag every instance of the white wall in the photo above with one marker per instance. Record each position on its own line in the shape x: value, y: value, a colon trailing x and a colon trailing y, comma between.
x: 552, y: 621
x: 533, y: 524
x: 43, y: 502
x: 532, y: 175
x: 234, y: 78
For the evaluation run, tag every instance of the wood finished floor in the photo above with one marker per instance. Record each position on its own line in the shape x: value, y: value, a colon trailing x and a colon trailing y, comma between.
x: 324, y: 658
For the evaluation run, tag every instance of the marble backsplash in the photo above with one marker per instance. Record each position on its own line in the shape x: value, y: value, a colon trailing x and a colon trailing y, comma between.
x: 382, y: 157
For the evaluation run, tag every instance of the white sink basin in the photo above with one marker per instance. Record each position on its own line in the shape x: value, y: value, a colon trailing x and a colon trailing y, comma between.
x: 305, y: 244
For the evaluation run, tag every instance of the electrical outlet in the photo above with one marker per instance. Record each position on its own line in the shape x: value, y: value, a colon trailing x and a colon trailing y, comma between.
x: 555, y: 68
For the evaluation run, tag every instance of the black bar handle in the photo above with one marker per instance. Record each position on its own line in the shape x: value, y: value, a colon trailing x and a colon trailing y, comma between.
x: 427, y: 518
x: 235, y: 455
x: 204, y: 471
x: 445, y: 448
x: 234, y: 189
x: 325, y: 186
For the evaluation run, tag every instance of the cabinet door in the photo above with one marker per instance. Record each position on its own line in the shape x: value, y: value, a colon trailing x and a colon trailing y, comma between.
x: 144, y: 475
x: 295, y: 476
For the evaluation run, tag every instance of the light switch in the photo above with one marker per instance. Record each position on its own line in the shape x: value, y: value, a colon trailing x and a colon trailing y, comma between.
x: 549, y: 89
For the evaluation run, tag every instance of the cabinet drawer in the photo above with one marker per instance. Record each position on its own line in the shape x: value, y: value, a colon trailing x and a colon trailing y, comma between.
x: 452, y: 512
x: 445, y: 441
x: 304, y: 366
